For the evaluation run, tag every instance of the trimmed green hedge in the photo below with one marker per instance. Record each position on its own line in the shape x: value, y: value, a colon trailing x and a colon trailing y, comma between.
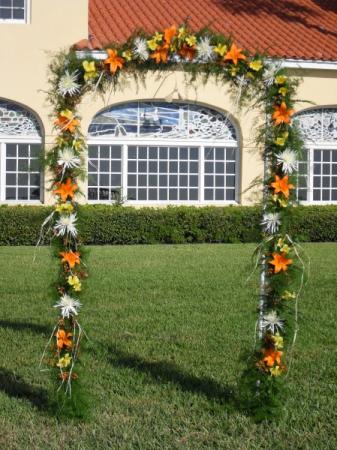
x: 104, y: 224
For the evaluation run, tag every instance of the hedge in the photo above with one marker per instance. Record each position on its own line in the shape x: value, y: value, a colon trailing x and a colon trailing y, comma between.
x: 105, y: 224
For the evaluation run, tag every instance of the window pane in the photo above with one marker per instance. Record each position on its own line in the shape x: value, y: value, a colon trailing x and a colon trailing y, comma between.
x: 219, y: 174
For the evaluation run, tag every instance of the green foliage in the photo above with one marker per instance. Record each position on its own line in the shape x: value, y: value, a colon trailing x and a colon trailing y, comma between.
x: 104, y: 224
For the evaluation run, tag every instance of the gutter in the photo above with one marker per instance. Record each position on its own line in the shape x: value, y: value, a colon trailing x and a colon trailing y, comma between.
x: 287, y: 63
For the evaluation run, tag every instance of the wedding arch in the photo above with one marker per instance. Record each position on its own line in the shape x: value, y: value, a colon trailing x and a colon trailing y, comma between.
x: 255, y: 80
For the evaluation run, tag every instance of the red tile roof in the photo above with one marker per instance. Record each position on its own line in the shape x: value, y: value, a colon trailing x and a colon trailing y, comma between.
x: 301, y: 29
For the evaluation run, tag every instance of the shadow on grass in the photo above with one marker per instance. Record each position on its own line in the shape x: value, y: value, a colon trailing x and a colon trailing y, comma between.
x: 165, y: 371
x: 14, y: 386
x: 25, y: 326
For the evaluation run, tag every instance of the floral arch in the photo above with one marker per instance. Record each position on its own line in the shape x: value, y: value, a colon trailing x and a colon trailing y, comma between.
x: 254, y: 80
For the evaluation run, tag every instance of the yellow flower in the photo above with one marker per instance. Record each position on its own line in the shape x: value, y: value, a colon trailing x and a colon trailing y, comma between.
x: 153, y: 43
x: 67, y: 114
x: 191, y: 40
x: 60, y: 141
x: 256, y: 65
x: 181, y: 32
x: 127, y: 55
x: 220, y: 49
x: 276, y: 371
x: 233, y: 71
x: 284, y: 247
x: 281, y: 140
x: 288, y: 295
x: 281, y: 79
x: 75, y: 283
x: 283, y: 202
x: 278, y: 341
x: 64, y: 362
x: 90, y: 70
x: 78, y: 144
x: 283, y: 91
x: 64, y: 208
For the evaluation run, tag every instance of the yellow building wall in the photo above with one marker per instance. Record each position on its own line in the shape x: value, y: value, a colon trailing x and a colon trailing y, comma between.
x: 26, y: 51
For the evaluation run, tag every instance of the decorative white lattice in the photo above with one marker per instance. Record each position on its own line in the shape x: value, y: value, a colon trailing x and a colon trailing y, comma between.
x: 318, y: 125
x: 17, y: 121
x: 163, y: 120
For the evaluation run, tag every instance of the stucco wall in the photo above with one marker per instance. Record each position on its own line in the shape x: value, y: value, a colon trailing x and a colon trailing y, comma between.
x: 54, y: 25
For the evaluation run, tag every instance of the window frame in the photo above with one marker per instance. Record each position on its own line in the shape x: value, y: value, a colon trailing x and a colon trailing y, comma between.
x: 201, y: 144
x: 311, y: 146
x: 17, y: 140
x: 25, y: 21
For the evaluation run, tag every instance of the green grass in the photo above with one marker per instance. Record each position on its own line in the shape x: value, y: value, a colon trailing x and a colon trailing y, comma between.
x: 169, y: 325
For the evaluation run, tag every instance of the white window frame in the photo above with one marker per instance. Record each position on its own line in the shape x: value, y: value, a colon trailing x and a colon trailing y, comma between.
x: 311, y: 146
x: 25, y: 21
x: 201, y: 144
x: 16, y: 140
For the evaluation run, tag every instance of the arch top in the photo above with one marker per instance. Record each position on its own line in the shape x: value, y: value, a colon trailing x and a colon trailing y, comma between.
x: 163, y: 120
x: 16, y: 120
x: 318, y: 124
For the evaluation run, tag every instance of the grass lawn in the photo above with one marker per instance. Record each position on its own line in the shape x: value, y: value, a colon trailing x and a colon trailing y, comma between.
x: 170, y: 323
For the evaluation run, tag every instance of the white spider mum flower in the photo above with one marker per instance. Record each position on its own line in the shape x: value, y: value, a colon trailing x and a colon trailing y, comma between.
x: 69, y: 306
x: 68, y: 159
x: 288, y: 161
x: 140, y: 48
x: 205, y: 49
x: 269, y: 73
x: 66, y: 224
x: 68, y: 84
x: 271, y: 222
x: 272, y: 322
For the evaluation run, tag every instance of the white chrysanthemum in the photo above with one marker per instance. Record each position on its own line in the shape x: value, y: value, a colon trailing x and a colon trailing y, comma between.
x: 68, y: 84
x: 68, y: 159
x: 271, y: 222
x: 66, y: 224
x: 288, y: 161
x: 68, y: 306
x: 205, y: 49
x: 272, y: 322
x: 270, y: 72
x: 140, y: 48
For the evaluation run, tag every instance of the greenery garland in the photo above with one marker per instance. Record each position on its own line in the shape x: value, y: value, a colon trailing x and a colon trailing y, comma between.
x: 258, y: 81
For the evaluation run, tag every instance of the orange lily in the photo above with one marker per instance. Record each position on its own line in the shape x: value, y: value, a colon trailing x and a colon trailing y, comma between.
x: 63, y: 339
x: 160, y: 54
x: 116, y: 62
x: 281, y: 185
x: 71, y: 258
x: 280, y: 262
x: 187, y: 52
x: 234, y: 54
x: 282, y: 114
x: 169, y: 33
x: 65, y: 190
x: 66, y: 123
x: 271, y: 356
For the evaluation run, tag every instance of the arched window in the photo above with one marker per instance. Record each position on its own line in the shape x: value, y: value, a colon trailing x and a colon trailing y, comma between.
x: 162, y: 152
x: 318, y: 170
x: 20, y: 148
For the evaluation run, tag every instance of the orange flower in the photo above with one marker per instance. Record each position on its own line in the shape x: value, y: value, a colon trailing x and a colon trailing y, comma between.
x: 67, y: 123
x: 116, y: 62
x: 282, y: 114
x: 63, y: 339
x: 234, y: 54
x: 160, y: 54
x: 271, y: 356
x: 169, y: 33
x: 71, y: 258
x: 187, y: 52
x: 280, y: 262
x: 65, y: 190
x: 281, y: 185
